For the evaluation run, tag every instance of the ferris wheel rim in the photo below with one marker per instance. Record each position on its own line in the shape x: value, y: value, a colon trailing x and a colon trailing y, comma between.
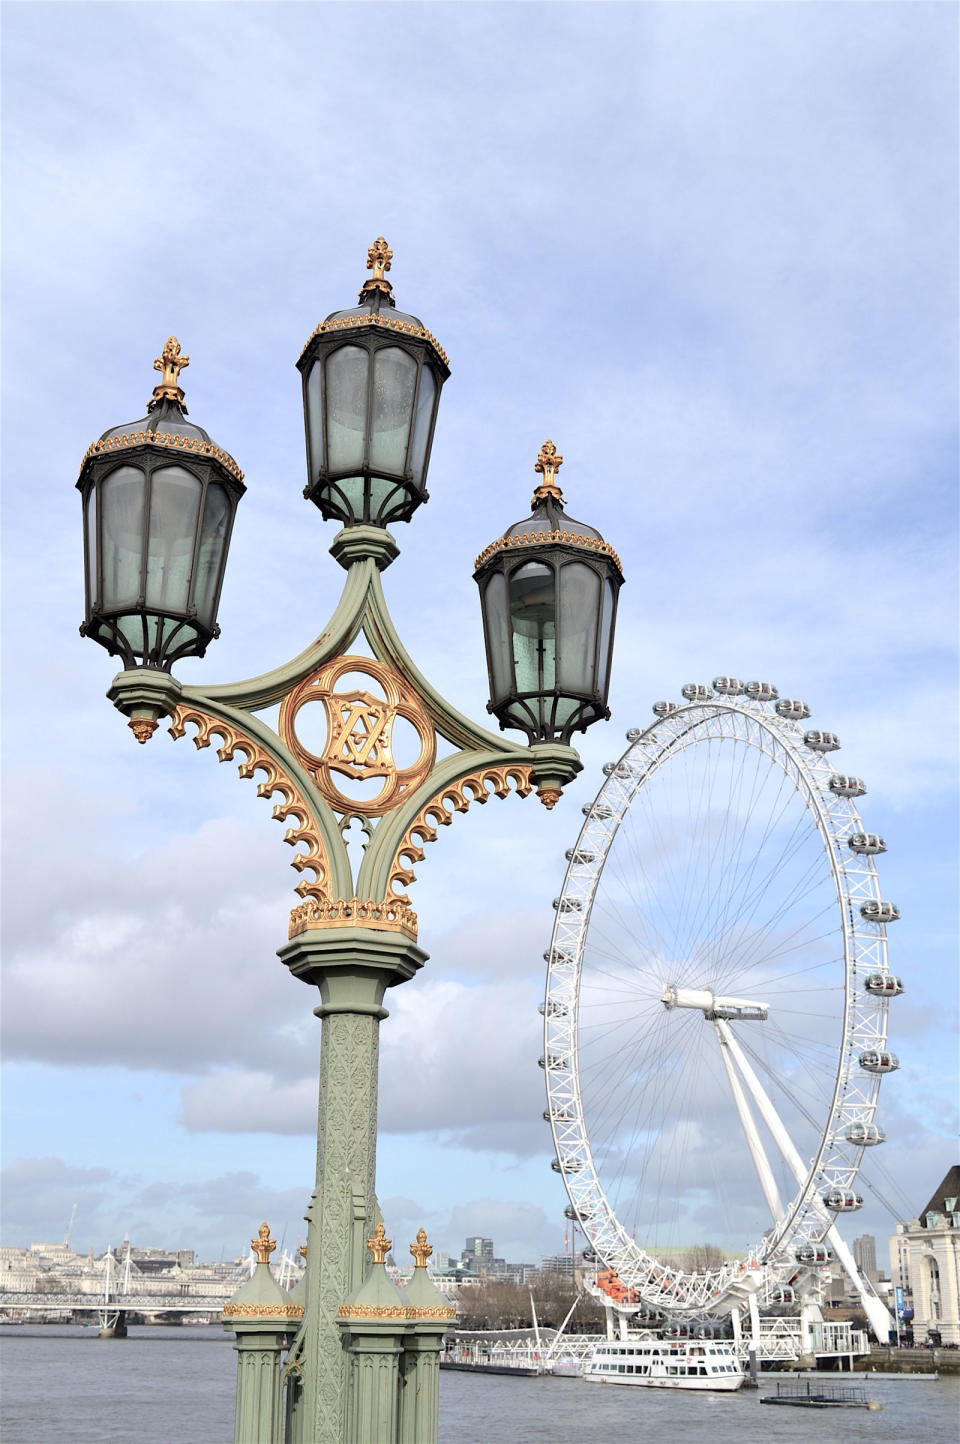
x: 855, y: 879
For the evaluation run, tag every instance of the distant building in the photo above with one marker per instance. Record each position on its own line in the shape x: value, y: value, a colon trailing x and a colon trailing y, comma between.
x: 865, y: 1256
x: 925, y: 1263
x: 560, y: 1263
x: 477, y: 1256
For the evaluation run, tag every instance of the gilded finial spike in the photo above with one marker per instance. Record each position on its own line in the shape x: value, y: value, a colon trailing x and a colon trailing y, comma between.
x: 547, y: 465
x: 169, y: 363
x: 379, y: 257
x: 302, y: 1250
x: 421, y: 1250
x: 379, y: 1245
x: 263, y: 1245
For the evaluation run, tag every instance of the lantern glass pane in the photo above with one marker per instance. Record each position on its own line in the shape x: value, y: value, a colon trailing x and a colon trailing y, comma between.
x: 346, y: 385
x: 122, y: 509
x: 422, y: 423
x: 315, y: 419
x: 533, y: 623
x: 606, y: 637
x: 494, y: 604
x: 174, y: 507
x: 213, y: 540
x: 579, y: 610
x: 394, y: 379
x: 90, y: 527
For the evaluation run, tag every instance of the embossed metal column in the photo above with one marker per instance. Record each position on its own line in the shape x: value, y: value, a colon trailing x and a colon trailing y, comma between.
x: 352, y: 967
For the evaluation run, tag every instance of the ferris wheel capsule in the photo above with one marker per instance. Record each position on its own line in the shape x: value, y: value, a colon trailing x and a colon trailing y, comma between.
x: 821, y: 741
x: 843, y: 786
x: 634, y: 734
x: 553, y: 1009
x: 864, y: 1135
x: 761, y: 691
x: 728, y: 686
x: 597, y: 809
x: 783, y: 1294
x: 814, y: 1253
x: 579, y: 854
x: 866, y: 843
x: 663, y: 709
x: 883, y: 985
x: 792, y: 710
x: 878, y: 1060
x: 877, y: 911
x: 566, y: 1165
x: 695, y: 692
x: 552, y: 1060
x: 567, y: 905
x: 842, y: 1200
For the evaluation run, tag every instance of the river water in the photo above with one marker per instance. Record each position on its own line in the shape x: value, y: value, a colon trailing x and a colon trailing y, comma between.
x: 64, y: 1385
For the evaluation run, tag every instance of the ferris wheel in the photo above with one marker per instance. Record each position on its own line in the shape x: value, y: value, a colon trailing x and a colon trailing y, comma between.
x: 715, y: 1016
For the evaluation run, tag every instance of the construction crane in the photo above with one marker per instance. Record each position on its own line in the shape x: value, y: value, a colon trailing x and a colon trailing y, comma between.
x: 66, y: 1236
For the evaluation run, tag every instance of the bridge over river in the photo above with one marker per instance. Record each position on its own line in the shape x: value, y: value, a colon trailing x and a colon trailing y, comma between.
x: 174, y: 1301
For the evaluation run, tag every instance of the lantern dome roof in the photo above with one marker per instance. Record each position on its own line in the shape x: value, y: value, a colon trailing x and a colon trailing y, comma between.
x: 378, y: 307
x: 548, y: 523
x: 165, y: 423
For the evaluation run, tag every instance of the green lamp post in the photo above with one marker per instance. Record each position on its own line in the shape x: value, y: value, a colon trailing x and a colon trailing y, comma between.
x: 159, y: 507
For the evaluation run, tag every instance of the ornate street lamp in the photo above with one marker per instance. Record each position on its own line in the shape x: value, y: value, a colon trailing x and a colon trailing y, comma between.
x: 159, y: 502
x: 159, y: 499
x: 548, y: 593
x: 371, y: 386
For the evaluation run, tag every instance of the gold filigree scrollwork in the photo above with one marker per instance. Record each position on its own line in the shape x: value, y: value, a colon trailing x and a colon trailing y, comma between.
x: 294, y: 804
x: 379, y: 257
x: 548, y: 463
x: 263, y: 1311
x: 263, y: 1245
x: 421, y: 1250
x: 439, y: 812
x: 389, y: 323
x: 359, y: 740
x: 169, y: 363
x: 547, y: 538
x: 391, y: 915
x: 379, y: 1245
x: 192, y: 444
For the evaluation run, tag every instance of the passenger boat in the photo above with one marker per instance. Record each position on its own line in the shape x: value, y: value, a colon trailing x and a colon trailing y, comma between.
x: 665, y: 1364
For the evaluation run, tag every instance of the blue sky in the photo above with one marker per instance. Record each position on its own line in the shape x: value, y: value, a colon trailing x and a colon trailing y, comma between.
x: 711, y: 250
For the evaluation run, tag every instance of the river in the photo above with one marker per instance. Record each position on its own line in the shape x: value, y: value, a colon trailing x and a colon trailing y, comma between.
x: 64, y: 1385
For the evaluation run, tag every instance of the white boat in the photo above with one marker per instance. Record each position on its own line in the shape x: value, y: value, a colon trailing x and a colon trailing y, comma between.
x: 665, y: 1364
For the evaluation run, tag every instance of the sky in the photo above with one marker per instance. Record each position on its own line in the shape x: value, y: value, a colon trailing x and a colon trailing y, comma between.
x: 711, y: 251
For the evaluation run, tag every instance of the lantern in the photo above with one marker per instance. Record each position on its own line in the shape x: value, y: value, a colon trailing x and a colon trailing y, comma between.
x: 548, y: 593
x: 371, y: 385
x: 159, y: 499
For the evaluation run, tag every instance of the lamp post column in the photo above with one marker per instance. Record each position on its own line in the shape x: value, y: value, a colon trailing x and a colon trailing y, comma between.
x: 352, y: 967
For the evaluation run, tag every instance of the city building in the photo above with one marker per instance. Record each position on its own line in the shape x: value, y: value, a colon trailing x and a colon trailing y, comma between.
x: 925, y: 1265
x: 865, y: 1256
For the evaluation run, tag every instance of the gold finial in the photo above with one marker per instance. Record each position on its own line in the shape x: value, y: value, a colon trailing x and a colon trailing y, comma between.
x: 263, y: 1245
x: 421, y: 1250
x: 302, y: 1250
x: 548, y: 464
x: 379, y: 257
x: 379, y: 1245
x: 169, y: 363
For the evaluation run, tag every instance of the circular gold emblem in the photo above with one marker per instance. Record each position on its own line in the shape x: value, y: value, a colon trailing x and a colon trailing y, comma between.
x: 359, y: 742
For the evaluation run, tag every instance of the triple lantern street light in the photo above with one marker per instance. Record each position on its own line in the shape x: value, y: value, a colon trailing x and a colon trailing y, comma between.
x: 159, y: 502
